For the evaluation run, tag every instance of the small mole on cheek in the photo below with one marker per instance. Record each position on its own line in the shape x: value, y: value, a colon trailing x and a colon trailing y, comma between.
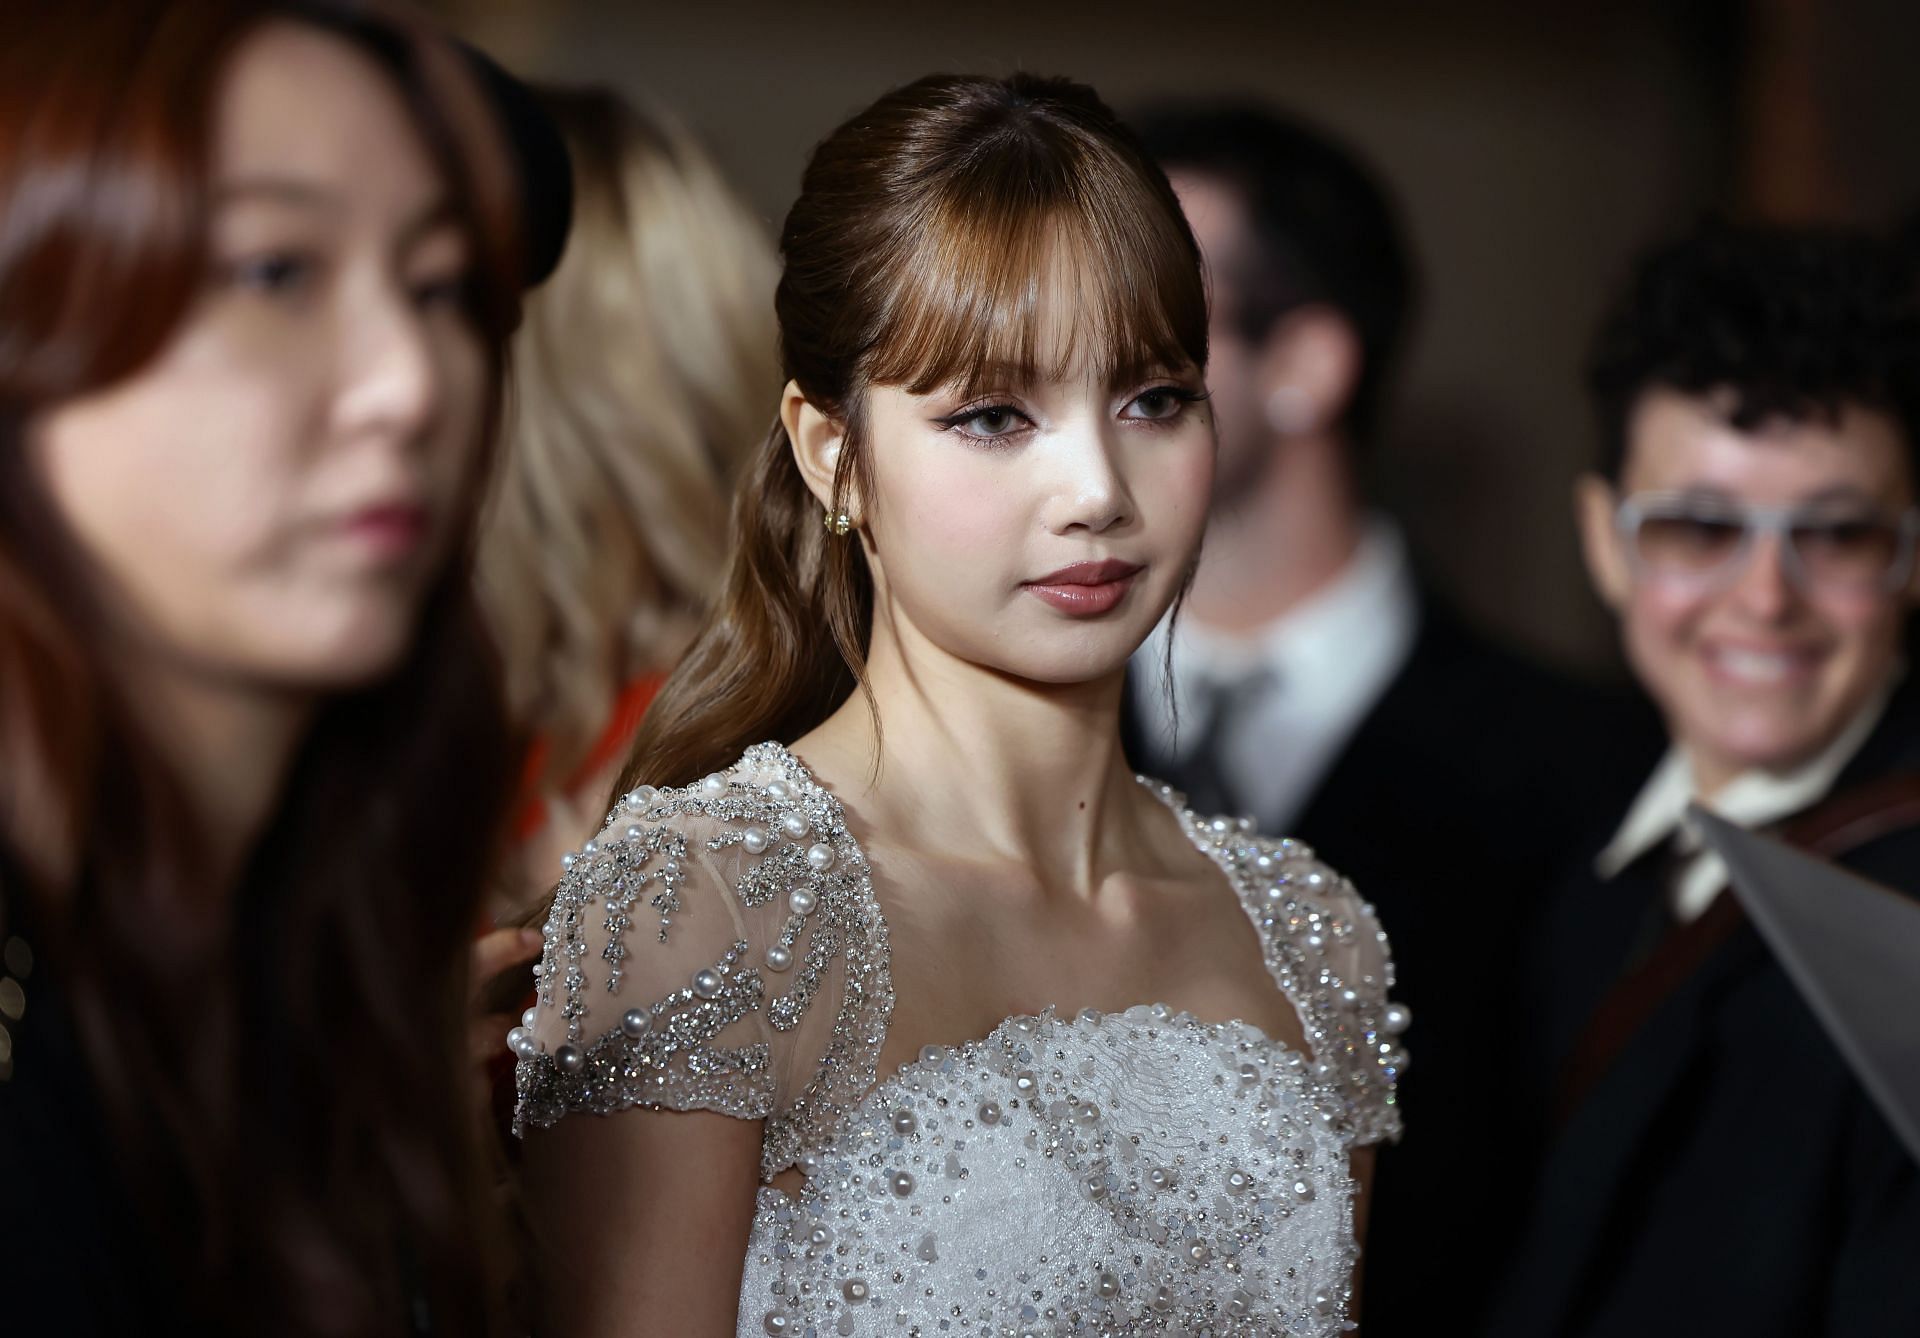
x: 1083, y: 803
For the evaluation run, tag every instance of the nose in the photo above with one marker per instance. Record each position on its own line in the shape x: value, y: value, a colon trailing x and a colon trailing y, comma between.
x: 1762, y: 587
x: 390, y: 379
x: 1090, y: 493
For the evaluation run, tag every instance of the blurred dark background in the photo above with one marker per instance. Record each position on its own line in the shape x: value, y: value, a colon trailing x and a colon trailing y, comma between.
x: 1535, y: 148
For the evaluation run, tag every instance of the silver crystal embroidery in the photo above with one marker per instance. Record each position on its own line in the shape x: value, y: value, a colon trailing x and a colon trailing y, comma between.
x: 1106, y: 1174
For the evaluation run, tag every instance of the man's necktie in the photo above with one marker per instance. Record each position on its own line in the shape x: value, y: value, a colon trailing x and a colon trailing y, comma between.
x: 1202, y: 771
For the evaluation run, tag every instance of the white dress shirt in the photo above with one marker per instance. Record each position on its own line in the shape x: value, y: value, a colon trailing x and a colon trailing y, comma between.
x: 1751, y: 799
x: 1306, y: 680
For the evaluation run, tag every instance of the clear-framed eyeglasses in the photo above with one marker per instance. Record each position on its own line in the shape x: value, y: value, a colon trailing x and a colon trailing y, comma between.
x: 1833, y: 547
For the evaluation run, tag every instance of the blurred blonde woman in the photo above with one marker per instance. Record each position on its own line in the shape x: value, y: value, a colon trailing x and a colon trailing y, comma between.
x: 645, y: 372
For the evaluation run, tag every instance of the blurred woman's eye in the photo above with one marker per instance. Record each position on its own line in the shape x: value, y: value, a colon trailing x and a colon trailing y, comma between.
x: 446, y: 292
x: 276, y: 274
x: 986, y: 422
x: 1161, y: 403
x: 439, y: 271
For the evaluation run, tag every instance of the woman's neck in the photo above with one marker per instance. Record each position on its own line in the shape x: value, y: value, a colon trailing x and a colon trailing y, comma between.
x: 972, y: 763
x: 229, y: 745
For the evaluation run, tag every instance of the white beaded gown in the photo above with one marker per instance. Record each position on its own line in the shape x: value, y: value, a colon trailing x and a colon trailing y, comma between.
x: 720, y: 948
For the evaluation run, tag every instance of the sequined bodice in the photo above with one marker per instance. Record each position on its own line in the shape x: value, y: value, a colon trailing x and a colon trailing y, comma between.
x: 1113, y: 1173
x: 1134, y: 1172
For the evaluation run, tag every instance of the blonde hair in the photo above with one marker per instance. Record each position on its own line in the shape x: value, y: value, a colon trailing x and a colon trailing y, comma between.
x: 644, y: 375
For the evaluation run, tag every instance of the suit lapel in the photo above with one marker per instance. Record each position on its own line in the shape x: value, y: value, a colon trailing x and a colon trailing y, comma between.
x: 1591, y: 1163
x: 1597, y: 932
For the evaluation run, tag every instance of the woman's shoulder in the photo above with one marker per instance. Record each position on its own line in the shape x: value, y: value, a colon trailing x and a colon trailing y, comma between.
x: 1275, y: 872
x: 762, y: 765
x: 691, y: 938
x: 1327, y: 951
x: 766, y: 772
x: 760, y: 826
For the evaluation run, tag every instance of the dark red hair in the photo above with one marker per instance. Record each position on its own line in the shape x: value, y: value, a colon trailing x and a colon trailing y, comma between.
x: 281, y: 1063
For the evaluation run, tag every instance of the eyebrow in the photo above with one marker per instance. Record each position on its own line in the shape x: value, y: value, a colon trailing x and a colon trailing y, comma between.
x: 1151, y: 370
x: 1011, y: 375
x: 1842, y: 493
x: 436, y: 213
x: 1839, y: 492
x: 278, y: 190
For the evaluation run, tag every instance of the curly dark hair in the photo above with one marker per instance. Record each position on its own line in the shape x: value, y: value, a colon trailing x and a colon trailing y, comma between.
x: 1322, y: 225
x: 1790, y: 322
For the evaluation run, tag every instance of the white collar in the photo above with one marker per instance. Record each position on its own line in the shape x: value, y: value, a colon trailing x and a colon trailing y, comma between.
x: 1324, y: 665
x: 1373, y: 589
x: 1751, y: 799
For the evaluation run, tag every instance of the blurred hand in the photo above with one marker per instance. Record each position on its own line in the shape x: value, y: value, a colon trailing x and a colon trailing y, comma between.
x: 495, y: 955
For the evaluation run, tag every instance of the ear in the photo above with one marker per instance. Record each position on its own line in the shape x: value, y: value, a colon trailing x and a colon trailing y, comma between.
x: 1309, y: 367
x: 817, y: 441
x: 1594, y: 506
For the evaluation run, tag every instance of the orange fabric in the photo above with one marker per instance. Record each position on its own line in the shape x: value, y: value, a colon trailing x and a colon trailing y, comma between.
x: 629, y: 709
x: 530, y: 816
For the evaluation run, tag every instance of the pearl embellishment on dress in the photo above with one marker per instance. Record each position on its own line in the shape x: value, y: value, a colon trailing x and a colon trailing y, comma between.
x: 1194, y: 1175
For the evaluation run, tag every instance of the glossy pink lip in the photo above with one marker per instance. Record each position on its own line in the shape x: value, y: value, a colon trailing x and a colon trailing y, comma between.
x: 387, y: 530
x: 1087, y: 589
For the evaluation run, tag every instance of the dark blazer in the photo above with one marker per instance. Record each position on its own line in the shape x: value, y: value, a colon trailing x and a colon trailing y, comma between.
x: 1725, y: 1172
x: 1455, y: 804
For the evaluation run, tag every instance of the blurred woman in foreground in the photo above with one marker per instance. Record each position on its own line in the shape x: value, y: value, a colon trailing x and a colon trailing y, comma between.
x: 258, y: 263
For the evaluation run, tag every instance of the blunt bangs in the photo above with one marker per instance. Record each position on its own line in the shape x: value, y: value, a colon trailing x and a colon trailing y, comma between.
x: 1022, y: 263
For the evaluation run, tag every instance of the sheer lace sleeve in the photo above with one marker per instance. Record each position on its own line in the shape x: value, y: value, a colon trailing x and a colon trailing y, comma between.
x: 649, y: 993
x: 716, y: 948
x: 1349, y: 976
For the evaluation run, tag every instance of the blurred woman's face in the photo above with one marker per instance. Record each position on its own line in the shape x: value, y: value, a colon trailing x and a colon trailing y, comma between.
x: 269, y: 498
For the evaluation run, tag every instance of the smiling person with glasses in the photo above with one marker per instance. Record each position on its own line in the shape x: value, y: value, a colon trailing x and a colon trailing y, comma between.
x: 1709, y: 1163
x: 1762, y: 567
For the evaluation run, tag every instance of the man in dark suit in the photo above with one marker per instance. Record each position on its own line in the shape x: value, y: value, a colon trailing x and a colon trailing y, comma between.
x: 1323, y: 690
x: 1708, y: 1163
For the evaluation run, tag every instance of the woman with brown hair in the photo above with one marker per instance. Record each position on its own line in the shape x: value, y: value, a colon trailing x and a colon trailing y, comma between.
x: 258, y: 262
x: 921, y: 1013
